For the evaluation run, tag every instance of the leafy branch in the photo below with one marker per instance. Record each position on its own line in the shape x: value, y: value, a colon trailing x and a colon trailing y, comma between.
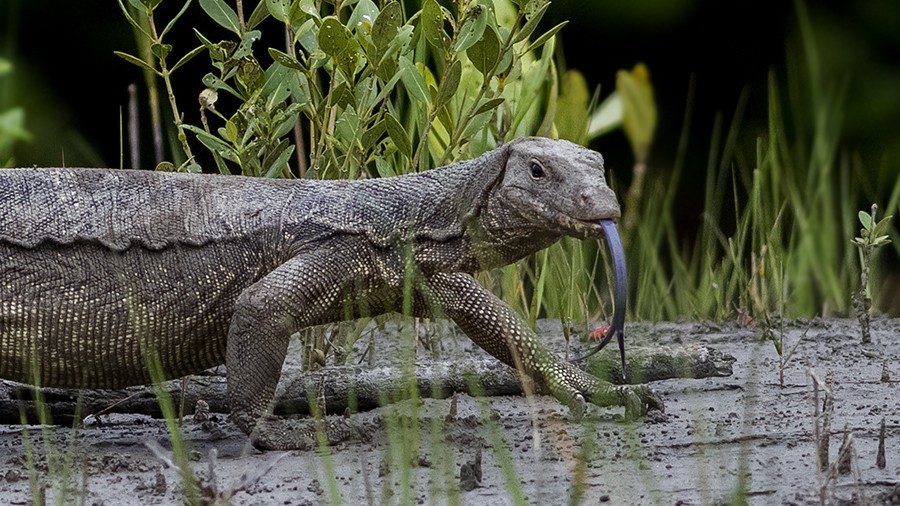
x: 160, y: 50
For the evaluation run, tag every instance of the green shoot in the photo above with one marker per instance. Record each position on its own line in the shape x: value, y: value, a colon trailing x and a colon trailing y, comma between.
x: 872, y: 236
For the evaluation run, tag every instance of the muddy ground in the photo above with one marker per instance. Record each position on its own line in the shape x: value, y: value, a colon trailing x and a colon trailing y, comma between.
x: 714, y: 429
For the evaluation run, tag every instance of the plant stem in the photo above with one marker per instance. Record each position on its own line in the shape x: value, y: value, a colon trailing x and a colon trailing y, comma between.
x: 464, y: 119
x: 862, y: 302
x: 164, y: 71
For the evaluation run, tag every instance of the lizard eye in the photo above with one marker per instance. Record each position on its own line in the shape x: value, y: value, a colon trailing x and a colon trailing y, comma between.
x: 537, y: 171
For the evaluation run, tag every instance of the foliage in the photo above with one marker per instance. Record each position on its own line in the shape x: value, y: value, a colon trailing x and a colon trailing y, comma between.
x: 12, y: 120
x: 378, y: 92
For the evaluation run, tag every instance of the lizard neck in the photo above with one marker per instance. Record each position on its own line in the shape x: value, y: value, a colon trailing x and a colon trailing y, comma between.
x: 502, y: 236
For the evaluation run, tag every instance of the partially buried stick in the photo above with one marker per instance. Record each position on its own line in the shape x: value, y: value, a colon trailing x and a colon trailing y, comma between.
x: 619, y: 293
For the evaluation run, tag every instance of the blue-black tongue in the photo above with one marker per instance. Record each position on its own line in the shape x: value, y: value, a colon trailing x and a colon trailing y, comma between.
x: 618, y: 324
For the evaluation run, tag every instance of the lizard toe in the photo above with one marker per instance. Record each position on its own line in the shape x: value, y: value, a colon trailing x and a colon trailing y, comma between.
x: 277, y: 433
x: 578, y: 407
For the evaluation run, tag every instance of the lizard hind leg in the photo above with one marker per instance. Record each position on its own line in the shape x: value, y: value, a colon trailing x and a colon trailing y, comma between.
x: 299, y: 293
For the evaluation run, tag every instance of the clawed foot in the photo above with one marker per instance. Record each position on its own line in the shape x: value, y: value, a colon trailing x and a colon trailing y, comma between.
x: 575, y: 388
x: 637, y: 399
x: 277, y: 433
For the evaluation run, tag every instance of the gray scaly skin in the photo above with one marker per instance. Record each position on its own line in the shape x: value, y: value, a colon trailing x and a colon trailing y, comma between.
x: 99, y: 267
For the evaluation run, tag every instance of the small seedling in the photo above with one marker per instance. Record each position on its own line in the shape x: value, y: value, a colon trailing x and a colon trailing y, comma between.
x: 872, y: 236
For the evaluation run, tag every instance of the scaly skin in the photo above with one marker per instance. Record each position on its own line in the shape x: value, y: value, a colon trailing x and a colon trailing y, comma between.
x: 100, y: 267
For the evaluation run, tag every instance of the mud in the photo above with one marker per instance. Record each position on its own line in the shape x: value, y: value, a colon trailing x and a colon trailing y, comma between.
x: 719, y: 436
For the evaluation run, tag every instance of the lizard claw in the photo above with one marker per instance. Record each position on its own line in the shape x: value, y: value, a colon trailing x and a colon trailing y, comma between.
x: 577, y: 387
x: 639, y: 400
x: 578, y: 407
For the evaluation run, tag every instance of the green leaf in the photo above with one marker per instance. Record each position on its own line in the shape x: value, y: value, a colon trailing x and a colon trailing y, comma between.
x: 279, y: 9
x: 136, y: 61
x: 336, y: 41
x: 432, y: 20
x: 472, y: 29
x: 161, y: 50
x: 210, y: 80
x: 488, y: 105
x: 398, y: 135
x: 213, y: 143
x: 449, y: 84
x: 208, y: 44
x: 572, y: 107
x: 308, y: 35
x: 231, y: 132
x: 386, y: 26
x: 172, y: 22
x: 342, y: 96
x: 281, y: 82
x: 366, y: 90
x: 384, y: 167
x: 881, y: 241
x: 532, y: 23
x: 882, y: 227
x: 346, y: 127
x: 485, y: 52
x: 607, y: 117
x: 222, y: 14
x: 285, y: 120
x: 132, y: 21
x: 505, y: 64
x: 245, y: 48
x: 398, y: 44
x: 373, y: 135
x: 259, y: 14
x: 532, y: 7
x: 638, y: 109
x: 387, y: 63
x: 866, y: 220
x: 388, y: 86
x: 413, y: 81
x: 273, y: 163
x: 443, y: 115
x: 544, y: 38
x: 476, y: 126
x: 333, y: 37
x: 363, y: 16
x: 286, y: 60
x: 186, y: 58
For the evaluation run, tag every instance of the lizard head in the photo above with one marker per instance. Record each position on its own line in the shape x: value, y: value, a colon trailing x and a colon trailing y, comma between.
x: 556, y: 186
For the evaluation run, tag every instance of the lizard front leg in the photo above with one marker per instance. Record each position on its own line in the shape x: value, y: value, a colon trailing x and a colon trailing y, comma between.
x: 309, y: 289
x: 500, y: 331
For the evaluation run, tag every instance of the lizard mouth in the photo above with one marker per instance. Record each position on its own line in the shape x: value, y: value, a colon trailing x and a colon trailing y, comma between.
x: 617, y: 328
x: 581, y: 227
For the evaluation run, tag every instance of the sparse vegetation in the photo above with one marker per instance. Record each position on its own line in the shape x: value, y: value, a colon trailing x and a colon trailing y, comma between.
x: 872, y: 236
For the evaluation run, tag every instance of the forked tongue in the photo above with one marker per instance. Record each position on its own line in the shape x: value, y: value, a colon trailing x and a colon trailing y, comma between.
x: 618, y: 324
